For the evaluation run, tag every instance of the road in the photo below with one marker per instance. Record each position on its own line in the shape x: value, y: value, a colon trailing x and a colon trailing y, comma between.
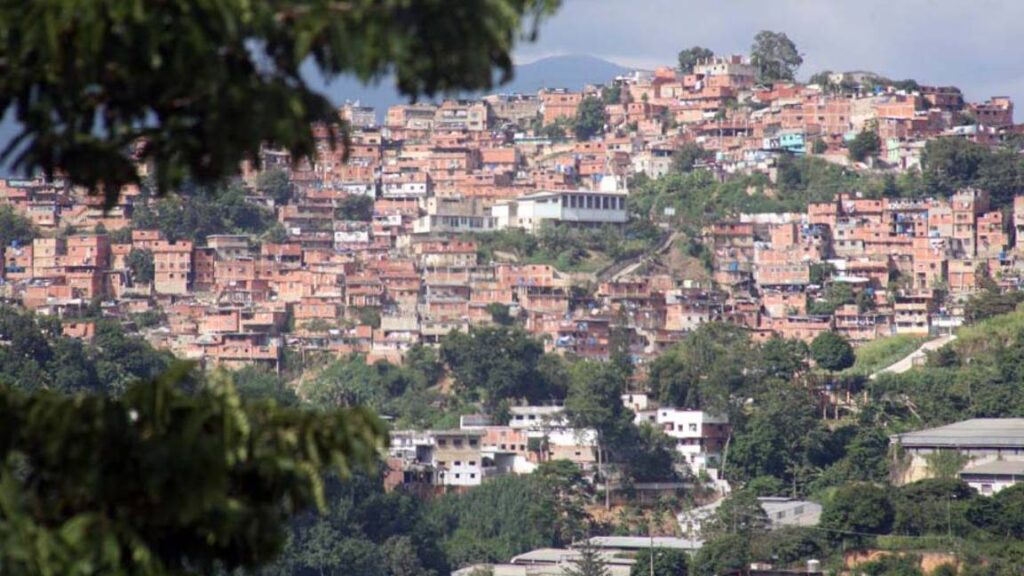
x: 907, y: 362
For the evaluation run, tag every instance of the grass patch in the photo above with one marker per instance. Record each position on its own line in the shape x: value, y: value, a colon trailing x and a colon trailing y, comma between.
x: 877, y: 354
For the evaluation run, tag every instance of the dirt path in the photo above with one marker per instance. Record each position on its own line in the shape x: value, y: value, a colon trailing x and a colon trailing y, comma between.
x: 908, y: 361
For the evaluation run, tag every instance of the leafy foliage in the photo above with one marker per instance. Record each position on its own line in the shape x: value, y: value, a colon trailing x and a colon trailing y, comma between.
x: 589, y: 118
x: 362, y: 530
x: 193, y: 214
x: 159, y: 481
x: 865, y: 144
x: 666, y: 562
x: 140, y: 264
x: 857, y: 511
x: 199, y: 88
x: 704, y: 369
x: 355, y: 207
x: 951, y: 164
x: 690, y: 57
x: 502, y: 518
x: 492, y: 364
x: 775, y: 56
x: 589, y: 563
x: 832, y: 352
x: 276, y: 184
x: 686, y: 156
x: 404, y: 392
x: 15, y: 228
x: 38, y: 356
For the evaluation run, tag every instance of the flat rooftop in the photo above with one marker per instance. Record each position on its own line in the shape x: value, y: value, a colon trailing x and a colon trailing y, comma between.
x: 997, y: 468
x: 975, y: 433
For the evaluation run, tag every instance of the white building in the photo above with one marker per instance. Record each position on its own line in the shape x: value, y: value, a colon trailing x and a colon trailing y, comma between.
x: 536, y: 418
x: 453, y: 456
x: 780, y: 511
x: 700, y: 437
x: 979, y: 442
x: 548, y: 424
x: 452, y: 224
x: 993, y: 477
x: 577, y: 208
x: 414, y: 185
x: 357, y: 188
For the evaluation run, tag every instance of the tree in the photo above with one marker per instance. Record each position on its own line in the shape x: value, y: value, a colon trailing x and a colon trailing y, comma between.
x: 611, y: 94
x: 784, y: 358
x: 589, y: 118
x: 893, y: 565
x: 690, y: 57
x: 740, y: 514
x: 820, y: 272
x: 685, y: 158
x: 864, y: 145
x: 473, y: 531
x: 197, y: 89
x: 14, y: 228
x: 704, y: 369
x: 666, y: 562
x: 588, y: 563
x: 94, y: 494
x: 158, y: 481
x: 775, y: 56
x: 819, y: 146
x: 948, y: 164
x: 722, y: 555
x: 763, y: 446
x: 495, y: 363
x: 856, y: 511
x: 275, y: 184
x: 499, y: 314
x: 822, y: 79
x: 989, y: 303
x: 140, y: 263
x: 595, y: 399
x: 355, y: 207
x: 832, y: 352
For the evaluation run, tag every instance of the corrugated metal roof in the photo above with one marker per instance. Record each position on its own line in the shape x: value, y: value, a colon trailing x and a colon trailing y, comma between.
x: 975, y: 433
x: 1001, y: 467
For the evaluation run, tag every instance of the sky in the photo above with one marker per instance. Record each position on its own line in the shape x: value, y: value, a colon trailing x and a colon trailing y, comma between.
x: 973, y: 44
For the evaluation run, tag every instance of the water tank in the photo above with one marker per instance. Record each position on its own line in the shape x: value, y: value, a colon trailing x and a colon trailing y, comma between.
x: 813, y: 566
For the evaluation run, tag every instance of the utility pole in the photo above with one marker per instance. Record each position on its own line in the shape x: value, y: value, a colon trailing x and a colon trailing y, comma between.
x: 650, y: 534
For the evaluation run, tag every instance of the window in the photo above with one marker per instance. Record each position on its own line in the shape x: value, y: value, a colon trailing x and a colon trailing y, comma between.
x: 457, y: 476
x: 472, y: 443
x: 472, y: 462
x: 693, y: 427
x: 457, y: 443
x: 442, y: 442
x: 458, y: 462
x: 472, y: 476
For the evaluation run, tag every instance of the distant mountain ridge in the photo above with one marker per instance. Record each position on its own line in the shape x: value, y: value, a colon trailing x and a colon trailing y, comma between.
x: 570, y: 71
